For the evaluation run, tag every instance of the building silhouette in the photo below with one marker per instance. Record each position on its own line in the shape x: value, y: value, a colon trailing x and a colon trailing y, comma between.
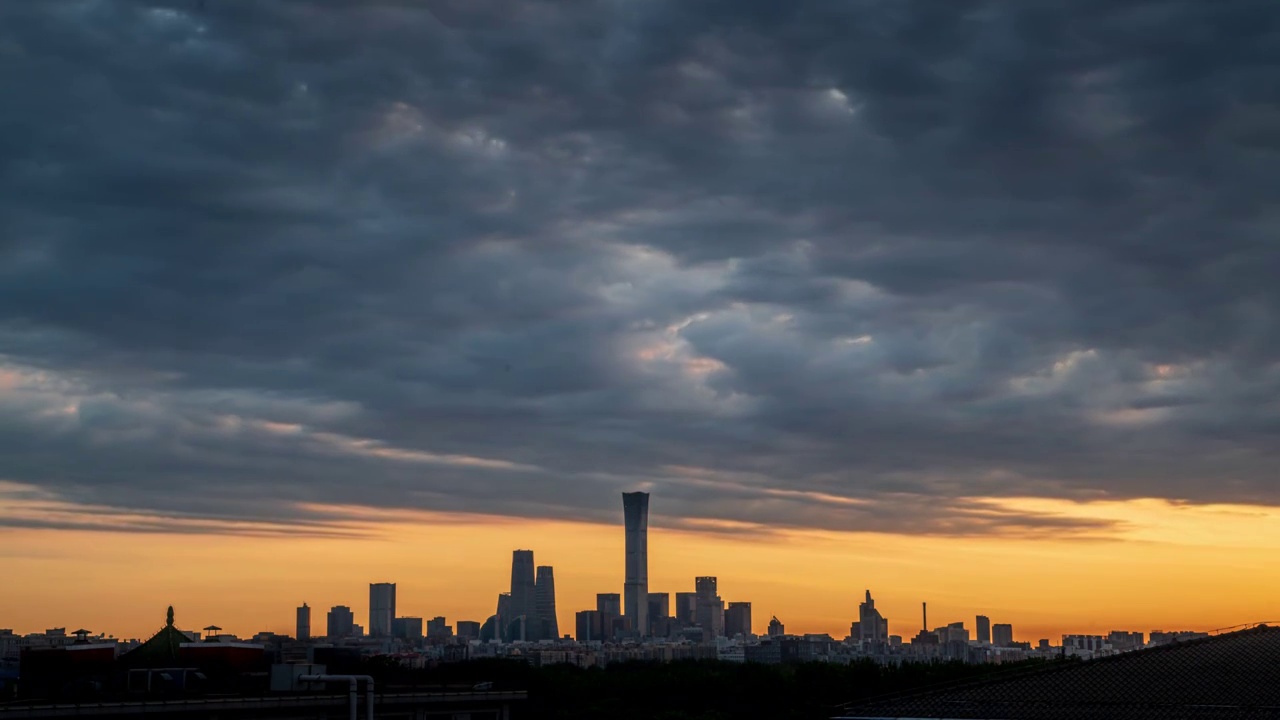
x: 686, y: 608
x: 635, y: 590
x: 609, y: 606
x: 871, y: 629
x: 382, y: 608
x: 737, y: 619
x: 588, y: 626
x: 709, y: 608
x: 659, y: 614
x: 984, y: 629
x: 438, y: 628
x: 340, y: 622
x: 468, y: 630
x: 548, y: 627
x: 407, y: 628
x: 1002, y: 635
x: 303, y: 629
x: 776, y: 628
x: 523, y: 596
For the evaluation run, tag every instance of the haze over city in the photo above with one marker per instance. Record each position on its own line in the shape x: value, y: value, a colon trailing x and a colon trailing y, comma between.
x: 971, y: 303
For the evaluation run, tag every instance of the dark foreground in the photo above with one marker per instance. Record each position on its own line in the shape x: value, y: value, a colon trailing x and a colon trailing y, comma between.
x: 693, y: 690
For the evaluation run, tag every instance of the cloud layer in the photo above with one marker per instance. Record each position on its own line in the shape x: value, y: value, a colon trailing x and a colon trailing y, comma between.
x: 847, y: 265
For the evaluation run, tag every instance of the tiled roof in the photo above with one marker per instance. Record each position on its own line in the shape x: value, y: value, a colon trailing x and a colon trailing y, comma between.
x: 1230, y: 676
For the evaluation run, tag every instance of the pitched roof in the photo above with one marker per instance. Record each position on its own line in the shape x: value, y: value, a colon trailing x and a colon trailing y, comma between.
x: 1230, y: 676
x: 161, y: 650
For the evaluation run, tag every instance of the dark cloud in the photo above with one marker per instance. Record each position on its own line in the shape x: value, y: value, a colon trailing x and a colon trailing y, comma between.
x: 862, y: 264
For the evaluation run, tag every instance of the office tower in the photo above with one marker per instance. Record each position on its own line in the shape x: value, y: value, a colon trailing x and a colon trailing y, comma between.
x: 659, y: 610
x: 304, y: 623
x: 705, y: 586
x: 737, y: 620
x: 776, y: 629
x: 438, y: 628
x: 709, y: 608
x: 588, y: 626
x: 711, y: 617
x: 468, y: 630
x: 341, y: 622
x: 502, y: 616
x: 523, y: 594
x: 635, y: 590
x: 357, y: 631
x: 382, y: 608
x: 686, y: 607
x: 1002, y: 635
x: 873, y: 628
x: 984, y: 629
x: 407, y: 628
x: 544, y: 590
x: 609, y: 605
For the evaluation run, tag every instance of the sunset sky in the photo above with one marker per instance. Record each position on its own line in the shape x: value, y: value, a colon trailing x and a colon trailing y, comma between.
x: 967, y: 302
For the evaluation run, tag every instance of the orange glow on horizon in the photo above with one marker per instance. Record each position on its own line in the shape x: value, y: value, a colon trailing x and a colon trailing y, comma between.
x: 1164, y: 566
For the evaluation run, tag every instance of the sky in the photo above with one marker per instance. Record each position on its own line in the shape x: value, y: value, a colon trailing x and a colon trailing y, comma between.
x: 967, y: 302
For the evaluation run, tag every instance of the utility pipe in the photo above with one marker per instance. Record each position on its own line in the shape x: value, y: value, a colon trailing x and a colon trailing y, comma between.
x: 353, y: 679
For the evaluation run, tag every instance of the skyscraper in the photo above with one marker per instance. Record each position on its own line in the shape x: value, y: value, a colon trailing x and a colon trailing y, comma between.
x: 609, y: 608
x: 737, y: 619
x: 304, y: 623
x: 341, y: 622
x: 659, y: 605
x: 686, y: 607
x: 984, y: 629
x: 544, y: 588
x: 635, y: 591
x: 1002, y: 635
x: 709, y: 608
x: 523, y: 594
x: 382, y: 608
x: 873, y: 629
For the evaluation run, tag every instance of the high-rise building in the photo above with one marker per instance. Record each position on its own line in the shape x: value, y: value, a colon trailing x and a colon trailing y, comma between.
x: 1002, y: 635
x: 340, y: 622
x: 502, y: 616
x: 588, y: 626
x: 776, y: 628
x: 705, y: 586
x: 984, y: 629
x: 635, y: 590
x: 468, y: 630
x: 304, y: 623
x: 407, y: 628
x: 438, y: 628
x: 609, y: 606
x: 382, y: 608
x: 873, y: 628
x: 659, y: 606
x: 737, y: 619
x: 523, y: 596
x: 686, y: 607
x: 545, y: 604
x: 709, y: 608
x: 609, y: 603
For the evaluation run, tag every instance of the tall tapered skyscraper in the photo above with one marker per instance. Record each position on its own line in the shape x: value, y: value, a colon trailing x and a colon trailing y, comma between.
x: 523, y: 596
x: 544, y: 590
x: 635, y: 591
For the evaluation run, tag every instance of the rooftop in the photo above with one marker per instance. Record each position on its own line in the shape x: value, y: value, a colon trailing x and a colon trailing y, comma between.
x: 1236, y: 675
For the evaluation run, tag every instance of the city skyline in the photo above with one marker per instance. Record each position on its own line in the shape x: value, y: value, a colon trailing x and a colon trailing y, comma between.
x: 969, y: 303
x: 701, y: 591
